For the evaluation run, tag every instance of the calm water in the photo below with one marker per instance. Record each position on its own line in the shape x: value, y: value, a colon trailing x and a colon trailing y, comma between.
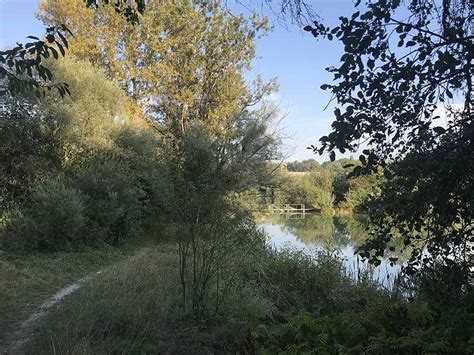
x: 338, y: 235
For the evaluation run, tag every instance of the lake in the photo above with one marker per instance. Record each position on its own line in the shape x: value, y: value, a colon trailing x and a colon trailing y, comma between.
x: 337, y: 235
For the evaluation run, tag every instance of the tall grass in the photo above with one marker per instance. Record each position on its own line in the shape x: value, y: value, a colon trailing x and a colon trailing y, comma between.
x: 135, y: 306
x: 276, y: 301
x: 128, y: 307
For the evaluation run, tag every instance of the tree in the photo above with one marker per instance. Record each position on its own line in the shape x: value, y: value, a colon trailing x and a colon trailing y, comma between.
x: 83, y: 153
x: 402, y: 64
x: 207, y: 169
x: 305, y: 165
x: 22, y: 65
x: 182, y: 62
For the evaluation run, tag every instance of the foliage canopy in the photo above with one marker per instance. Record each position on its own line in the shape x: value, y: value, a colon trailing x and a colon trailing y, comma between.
x: 403, y: 64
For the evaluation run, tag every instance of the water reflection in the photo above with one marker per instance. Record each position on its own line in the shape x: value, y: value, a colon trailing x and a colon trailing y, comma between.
x: 338, y: 235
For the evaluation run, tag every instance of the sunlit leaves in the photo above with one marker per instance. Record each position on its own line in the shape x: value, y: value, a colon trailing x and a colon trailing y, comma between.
x: 180, y: 62
x: 130, y: 9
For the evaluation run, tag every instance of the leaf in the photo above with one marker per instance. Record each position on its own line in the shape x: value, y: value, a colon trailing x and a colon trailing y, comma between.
x: 439, y: 130
x: 55, y: 52
x: 61, y: 49
x: 63, y: 39
x: 332, y: 156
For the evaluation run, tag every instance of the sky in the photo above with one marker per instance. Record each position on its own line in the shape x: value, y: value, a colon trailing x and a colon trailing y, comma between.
x: 293, y: 56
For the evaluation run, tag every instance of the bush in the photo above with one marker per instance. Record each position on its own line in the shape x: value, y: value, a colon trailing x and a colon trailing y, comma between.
x: 305, y: 190
x: 140, y: 150
x: 322, y: 311
x: 29, y: 151
x: 112, y: 199
x: 391, y: 327
x: 55, y: 220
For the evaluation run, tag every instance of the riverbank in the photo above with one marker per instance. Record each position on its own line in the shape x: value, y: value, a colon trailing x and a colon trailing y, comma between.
x: 275, y: 302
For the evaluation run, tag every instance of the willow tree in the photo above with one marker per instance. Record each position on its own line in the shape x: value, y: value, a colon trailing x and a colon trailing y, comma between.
x: 182, y: 61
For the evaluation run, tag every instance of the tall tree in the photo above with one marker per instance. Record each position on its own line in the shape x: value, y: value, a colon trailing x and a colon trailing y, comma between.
x: 403, y: 63
x: 183, y: 61
x: 22, y: 65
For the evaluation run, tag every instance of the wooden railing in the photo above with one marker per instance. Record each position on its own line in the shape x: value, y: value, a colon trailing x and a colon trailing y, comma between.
x: 289, y: 208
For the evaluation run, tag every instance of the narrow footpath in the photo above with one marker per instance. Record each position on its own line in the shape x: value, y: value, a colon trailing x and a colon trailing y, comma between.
x: 22, y: 333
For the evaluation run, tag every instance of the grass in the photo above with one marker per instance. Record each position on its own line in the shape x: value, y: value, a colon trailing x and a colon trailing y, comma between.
x: 28, y: 278
x: 135, y: 306
x: 280, y: 302
x: 126, y: 309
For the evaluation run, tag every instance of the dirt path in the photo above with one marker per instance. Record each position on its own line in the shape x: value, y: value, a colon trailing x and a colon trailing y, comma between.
x: 17, y: 338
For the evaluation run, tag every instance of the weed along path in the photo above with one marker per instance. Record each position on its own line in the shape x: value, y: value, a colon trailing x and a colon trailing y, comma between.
x: 19, y: 336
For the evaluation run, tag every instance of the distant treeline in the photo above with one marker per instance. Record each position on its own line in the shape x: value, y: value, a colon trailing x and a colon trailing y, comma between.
x: 304, y: 165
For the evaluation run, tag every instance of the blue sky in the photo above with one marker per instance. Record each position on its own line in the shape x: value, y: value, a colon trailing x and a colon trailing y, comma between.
x: 290, y: 54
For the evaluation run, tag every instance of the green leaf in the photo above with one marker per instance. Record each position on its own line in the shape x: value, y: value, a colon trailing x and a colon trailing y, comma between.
x: 61, y: 49
x: 439, y: 130
x: 54, y: 52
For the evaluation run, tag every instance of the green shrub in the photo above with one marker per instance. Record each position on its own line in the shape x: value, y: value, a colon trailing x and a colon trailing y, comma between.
x: 140, y: 150
x: 308, y: 190
x: 112, y: 199
x: 55, y: 220
x: 29, y: 151
x: 391, y: 327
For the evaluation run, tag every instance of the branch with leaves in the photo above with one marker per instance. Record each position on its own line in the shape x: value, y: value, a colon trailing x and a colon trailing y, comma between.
x: 393, y: 78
